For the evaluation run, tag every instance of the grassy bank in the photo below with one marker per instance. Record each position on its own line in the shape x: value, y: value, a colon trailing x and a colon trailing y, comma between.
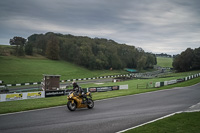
x: 15, y: 106
x: 179, y: 123
x: 31, y: 69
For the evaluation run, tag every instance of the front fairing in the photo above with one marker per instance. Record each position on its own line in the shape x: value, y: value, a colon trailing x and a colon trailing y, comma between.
x: 70, y: 96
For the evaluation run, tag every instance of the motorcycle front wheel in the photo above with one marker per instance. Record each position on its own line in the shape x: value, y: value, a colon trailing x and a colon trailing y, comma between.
x: 71, y: 106
x: 90, y: 104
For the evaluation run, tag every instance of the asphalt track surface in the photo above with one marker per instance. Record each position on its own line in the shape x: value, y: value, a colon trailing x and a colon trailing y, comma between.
x: 108, y: 116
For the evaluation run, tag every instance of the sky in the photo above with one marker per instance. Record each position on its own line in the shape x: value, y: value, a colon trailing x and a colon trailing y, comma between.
x: 157, y: 26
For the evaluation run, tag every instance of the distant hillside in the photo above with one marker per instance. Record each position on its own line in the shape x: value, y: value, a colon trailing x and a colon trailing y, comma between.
x: 164, y: 61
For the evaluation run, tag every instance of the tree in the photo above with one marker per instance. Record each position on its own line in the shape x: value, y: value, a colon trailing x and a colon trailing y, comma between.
x: 52, y: 50
x: 141, y: 63
x: 187, y: 60
x: 187, y: 56
x: 150, y: 60
x: 196, y: 61
x: 20, y: 43
x: 29, y: 49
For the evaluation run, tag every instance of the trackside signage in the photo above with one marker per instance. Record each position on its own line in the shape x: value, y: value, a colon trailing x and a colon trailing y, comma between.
x: 107, y: 88
x: 103, y: 89
x: 21, y: 96
x: 54, y: 93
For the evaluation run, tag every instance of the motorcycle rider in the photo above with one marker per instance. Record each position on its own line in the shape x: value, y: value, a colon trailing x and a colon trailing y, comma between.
x: 79, y: 91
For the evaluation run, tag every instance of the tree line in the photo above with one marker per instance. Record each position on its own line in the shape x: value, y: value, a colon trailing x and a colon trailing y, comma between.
x: 92, y: 53
x: 187, y: 60
x: 164, y: 55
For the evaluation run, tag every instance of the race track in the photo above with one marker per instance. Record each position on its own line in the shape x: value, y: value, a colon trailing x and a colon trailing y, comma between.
x: 108, y: 116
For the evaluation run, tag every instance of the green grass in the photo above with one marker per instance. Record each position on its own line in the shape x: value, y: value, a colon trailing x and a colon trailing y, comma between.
x: 22, y: 105
x: 31, y: 69
x: 30, y: 104
x: 164, y: 61
x: 179, y: 123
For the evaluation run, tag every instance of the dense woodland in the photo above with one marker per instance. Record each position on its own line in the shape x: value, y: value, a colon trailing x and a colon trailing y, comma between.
x: 187, y: 60
x: 92, y: 53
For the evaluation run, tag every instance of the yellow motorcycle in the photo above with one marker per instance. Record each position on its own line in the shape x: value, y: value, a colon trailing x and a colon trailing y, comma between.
x: 76, y: 101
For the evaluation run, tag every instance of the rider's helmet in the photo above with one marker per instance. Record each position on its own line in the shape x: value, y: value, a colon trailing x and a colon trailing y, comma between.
x: 74, y: 84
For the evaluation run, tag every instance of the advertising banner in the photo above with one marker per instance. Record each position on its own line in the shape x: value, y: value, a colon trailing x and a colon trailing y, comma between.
x: 157, y: 84
x: 16, y: 96
x: 32, y: 95
x: 92, y: 89
x: 103, y: 89
x: 54, y: 93
x: 172, y: 82
x: 21, y: 96
x: 115, y: 87
x: 123, y: 87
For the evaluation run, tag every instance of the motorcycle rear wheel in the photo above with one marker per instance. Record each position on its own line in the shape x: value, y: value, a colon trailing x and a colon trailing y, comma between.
x: 90, y: 104
x: 70, y: 106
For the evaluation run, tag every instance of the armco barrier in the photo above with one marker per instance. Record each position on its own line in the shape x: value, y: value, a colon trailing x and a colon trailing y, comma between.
x: 159, y: 84
x: 21, y: 96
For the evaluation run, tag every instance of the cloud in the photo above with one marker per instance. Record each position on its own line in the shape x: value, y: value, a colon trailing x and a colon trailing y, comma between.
x: 168, y: 26
x: 34, y: 24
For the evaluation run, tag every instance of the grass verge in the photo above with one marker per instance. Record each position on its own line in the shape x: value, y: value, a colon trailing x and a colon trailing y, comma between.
x: 179, y: 123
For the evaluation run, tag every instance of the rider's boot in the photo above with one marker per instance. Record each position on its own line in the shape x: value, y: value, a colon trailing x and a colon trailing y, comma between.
x: 82, y: 101
x: 87, y: 101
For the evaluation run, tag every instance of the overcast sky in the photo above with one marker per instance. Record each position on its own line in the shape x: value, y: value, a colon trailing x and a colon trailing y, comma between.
x: 158, y: 26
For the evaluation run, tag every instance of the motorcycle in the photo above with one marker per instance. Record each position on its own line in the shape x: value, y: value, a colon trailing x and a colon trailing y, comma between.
x: 76, y: 101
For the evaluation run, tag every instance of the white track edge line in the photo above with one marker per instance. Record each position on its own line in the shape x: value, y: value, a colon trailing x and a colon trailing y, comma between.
x: 150, y: 122
x: 190, y: 111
